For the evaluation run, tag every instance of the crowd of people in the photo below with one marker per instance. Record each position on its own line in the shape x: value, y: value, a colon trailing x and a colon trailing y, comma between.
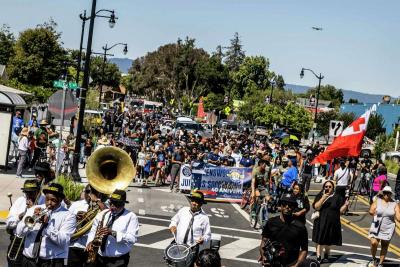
x: 279, y: 171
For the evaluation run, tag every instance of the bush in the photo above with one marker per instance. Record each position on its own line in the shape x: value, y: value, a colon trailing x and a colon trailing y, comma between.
x: 392, y: 166
x: 72, y: 190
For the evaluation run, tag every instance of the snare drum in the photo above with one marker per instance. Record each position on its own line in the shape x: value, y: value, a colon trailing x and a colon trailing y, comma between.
x: 179, y: 255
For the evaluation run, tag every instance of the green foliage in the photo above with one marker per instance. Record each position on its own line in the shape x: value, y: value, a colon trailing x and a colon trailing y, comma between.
x: 7, y: 41
x: 39, y: 57
x: 235, y: 54
x: 323, y: 120
x: 327, y: 92
x: 179, y: 71
x: 384, y: 143
x: 353, y: 101
x: 392, y: 166
x: 110, y: 77
x: 40, y: 93
x: 375, y: 126
x: 347, y: 118
x: 297, y: 118
x: 72, y: 190
x: 92, y: 99
x: 252, y: 74
x: 213, y: 102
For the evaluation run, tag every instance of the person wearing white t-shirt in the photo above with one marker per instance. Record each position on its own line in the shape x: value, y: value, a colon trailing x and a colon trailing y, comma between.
x: 342, y: 177
x: 237, y: 156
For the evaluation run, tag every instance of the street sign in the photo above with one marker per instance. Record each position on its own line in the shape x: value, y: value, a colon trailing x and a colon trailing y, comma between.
x: 61, y: 83
x: 335, y: 128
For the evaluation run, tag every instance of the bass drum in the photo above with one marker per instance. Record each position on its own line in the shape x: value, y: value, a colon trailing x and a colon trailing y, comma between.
x: 179, y: 255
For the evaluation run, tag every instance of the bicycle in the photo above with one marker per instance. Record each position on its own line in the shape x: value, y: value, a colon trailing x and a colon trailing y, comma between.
x: 246, y: 199
x: 260, y: 217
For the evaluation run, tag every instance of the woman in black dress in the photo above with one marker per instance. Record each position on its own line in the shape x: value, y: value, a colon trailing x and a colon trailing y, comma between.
x: 327, y: 230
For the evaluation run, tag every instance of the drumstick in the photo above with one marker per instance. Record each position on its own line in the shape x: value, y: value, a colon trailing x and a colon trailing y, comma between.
x: 192, y: 246
x: 173, y: 233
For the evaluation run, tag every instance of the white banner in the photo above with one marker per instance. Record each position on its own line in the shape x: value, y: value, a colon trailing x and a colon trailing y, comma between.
x: 185, y: 178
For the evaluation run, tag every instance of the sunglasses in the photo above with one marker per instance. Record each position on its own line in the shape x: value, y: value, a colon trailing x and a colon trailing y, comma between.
x: 87, y: 191
x: 116, y: 204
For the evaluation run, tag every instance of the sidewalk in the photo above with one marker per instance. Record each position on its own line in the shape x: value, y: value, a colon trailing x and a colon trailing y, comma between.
x: 10, y: 184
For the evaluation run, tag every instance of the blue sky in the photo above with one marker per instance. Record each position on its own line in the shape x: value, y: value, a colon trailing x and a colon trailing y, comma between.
x: 358, y: 48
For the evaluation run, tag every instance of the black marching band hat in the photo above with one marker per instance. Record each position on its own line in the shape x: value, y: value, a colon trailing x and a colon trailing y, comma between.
x: 55, y: 189
x: 118, y: 196
x: 288, y: 198
x: 198, y: 196
x: 30, y: 186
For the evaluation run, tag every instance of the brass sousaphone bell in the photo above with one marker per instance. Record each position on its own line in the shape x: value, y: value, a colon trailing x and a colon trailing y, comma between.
x: 108, y: 169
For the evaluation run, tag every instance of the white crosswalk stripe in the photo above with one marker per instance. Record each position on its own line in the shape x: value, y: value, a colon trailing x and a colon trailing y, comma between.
x: 237, y: 245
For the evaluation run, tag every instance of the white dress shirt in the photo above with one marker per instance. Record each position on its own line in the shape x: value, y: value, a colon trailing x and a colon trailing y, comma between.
x: 23, y: 143
x: 126, y: 227
x: 55, y: 236
x: 77, y: 206
x: 201, y: 226
x: 18, y: 207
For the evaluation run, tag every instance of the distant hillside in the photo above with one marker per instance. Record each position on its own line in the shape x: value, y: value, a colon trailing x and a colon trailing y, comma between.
x: 362, y: 97
x: 124, y: 64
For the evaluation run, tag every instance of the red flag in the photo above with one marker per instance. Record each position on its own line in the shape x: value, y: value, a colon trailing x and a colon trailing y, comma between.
x: 349, y: 142
x: 200, y: 109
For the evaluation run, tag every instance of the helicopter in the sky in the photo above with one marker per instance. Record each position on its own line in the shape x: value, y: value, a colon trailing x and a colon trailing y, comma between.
x: 317, y: 28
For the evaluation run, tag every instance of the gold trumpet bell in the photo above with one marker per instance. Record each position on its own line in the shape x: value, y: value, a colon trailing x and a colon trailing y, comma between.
x: 110, y: 168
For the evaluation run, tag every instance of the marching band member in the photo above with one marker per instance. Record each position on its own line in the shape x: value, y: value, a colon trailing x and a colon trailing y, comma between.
x: 191, y: 225
x: 117, y: 228
x: 46, y: 243
x: 77, y: 255
x: 31, y: 190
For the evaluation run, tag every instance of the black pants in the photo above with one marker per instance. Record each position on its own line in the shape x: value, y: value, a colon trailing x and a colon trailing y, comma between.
x: 28, y: 262
x: 76, y: 257
x: 341, y: 191
x: 121, y: 261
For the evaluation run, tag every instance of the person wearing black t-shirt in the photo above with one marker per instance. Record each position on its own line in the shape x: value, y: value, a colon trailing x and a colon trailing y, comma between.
x: 288, y: 232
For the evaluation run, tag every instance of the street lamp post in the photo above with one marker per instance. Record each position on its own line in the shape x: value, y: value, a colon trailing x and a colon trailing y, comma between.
x: 319, y: 77
x: 105, y: 49
x: 272, y: 90
x: 83, y: 17
x: 85, y: 84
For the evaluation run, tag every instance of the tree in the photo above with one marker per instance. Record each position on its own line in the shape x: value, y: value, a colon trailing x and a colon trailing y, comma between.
x: 7, y: 41
x: 280, y: 82
x: 353, y: 101
x: 347, y: 118
x: 179, y: 71
x: 111, y: 77
x: 235, y: 54
x: 375, y: 126
x: 323, y: 121
x: 328, y: 92
x: 253, y: 72
x: 39, y: 57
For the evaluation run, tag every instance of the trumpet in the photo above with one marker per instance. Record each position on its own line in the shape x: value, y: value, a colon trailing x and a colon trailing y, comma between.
x: 31, y: 221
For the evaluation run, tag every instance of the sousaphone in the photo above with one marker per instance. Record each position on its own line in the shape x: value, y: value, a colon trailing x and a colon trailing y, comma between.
x: 108, y: 169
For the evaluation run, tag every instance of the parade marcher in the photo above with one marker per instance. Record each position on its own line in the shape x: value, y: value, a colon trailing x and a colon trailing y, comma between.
x: 118, y: 229
x: 191, y: 225
x: 177, y: 160
x: 327, y: 229
x: 91, y: 199
x: 208, y: 258
x: 31, y: 190
x: 259, y: 185
x: 385, y: 212
x: 303, y: 204
x: 342, y: 178
x: 378, y: 183
x: 46, y: 243
x: 289, y: 177
x: 23, y: 146
x: 288, y: 235
x: 306, y: 172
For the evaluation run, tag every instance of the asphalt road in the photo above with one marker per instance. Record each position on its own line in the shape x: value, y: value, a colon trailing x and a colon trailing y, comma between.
x: 239, y: 242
